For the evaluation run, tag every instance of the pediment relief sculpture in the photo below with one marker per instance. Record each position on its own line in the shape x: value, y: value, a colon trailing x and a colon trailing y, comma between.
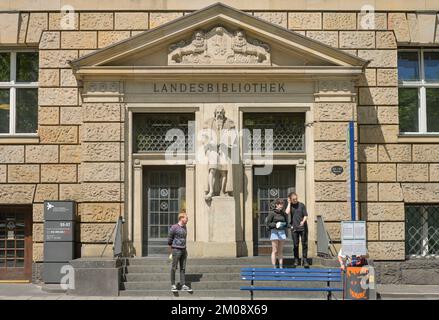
x: 219, y: 47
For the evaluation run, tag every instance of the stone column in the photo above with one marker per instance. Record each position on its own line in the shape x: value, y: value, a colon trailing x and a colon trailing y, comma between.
x: 301, y: 179
x: 190, y: 201
x: 248, y: 205
x: 138, y: 209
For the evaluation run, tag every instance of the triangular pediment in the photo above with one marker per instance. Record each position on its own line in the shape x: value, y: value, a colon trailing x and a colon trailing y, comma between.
x: 218, y: 37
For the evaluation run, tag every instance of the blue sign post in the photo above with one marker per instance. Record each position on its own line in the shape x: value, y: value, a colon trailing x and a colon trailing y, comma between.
x: 351, y: 168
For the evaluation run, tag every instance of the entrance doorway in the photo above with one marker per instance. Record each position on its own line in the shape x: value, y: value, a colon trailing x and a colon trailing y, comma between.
x: 163, y: 198
x: 266, y: 189
x: 15, y: 243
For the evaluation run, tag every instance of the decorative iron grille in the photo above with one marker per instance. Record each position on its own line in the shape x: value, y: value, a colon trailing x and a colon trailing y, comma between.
x: 150, y: 132
x: 288, y: 131
x: 422, y: 230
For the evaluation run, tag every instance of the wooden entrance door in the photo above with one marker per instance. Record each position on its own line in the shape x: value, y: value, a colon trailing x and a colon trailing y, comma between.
x: 15, y: 243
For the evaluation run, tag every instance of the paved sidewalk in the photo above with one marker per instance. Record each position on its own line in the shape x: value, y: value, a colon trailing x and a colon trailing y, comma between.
x: 34, y: 292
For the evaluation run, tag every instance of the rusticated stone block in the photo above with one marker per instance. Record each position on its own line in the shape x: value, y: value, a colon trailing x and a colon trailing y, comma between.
x: 50, y: 40
x: 38, y: 232
x: 388, y: 115
x: 96, y: 21
x: 333, y: 228
x: 58, y: 134
x: 37, y: 252
x: 378, y: 172
x: 386, y: 250
x: 367, y: 115
x: 46, y: 192
x: 70, y: 154
x: 99, y: 212
x: 16, y: 193
x: 23, y: 173
x: 107, y: 38
x: 22, y: 28
x: 331, y: 191
x: 372, y: 230
x: 398, y: 23
x: 392, y: 231
x: 57, y: 96
x: 379, y: 96
x: 380, y: 58
x: 56, y: 58
x: 357, y: 39
x: 158, y: 18
x: 369, y: 78
x: 329, y: 38
x: 334, y: 111
x: 48, y: 78
x: 38, y: 212
x: 305, y: 20
x: 100, y: 171
x: 387, y: 77
x: 426, y: 153
x: 102, y: 132
x: 383, y: 211
x: 340, y: 20
x: 11, y: 154
x: 395, y: 153
x: 101, y: 192
x: 48, y: 115
x: 41, y: 154
x: 63, y: 21
x: 97, y: 250
x: 330, y: 151
x: 79, y: 40
x: 367, y: 192
x: 38, y: 22
x: 434, y: 172
x: 2, y: 173
x: 385, y: 40
x: 367, y: 153
x: 322, y: 171
x: 70, y: 115
x: 390, y: 192
x: 71, y: 191
x: 131, y: 20
x: 420, y: 192
x: 67, y: 78
x: 330, y: 131
x: 333, y: 211
x: 372, y: 21
x: 101, y: 151
x: 279, y: 18
x: 412, y: 172
x: 96, y: 232
x: 379, y: 133
x: 105, y: 112
x: 58, y: 173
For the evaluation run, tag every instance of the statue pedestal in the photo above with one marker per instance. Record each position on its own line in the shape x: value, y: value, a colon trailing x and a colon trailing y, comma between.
x: 221, y: 215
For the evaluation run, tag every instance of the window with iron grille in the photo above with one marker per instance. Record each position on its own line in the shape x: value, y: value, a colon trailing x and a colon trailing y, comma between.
x: 288, y: 131
x: 150, y: 130
x: 422, y: 230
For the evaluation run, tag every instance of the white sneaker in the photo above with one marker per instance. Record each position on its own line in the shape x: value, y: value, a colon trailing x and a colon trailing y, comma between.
x: 186, y: 288
x: 174, y: 288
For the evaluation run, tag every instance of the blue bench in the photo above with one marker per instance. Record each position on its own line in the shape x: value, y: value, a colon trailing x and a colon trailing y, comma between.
x: 302, y: 275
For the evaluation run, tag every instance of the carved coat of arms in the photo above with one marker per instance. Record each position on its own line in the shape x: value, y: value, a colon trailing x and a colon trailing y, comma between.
x: 219, y: 46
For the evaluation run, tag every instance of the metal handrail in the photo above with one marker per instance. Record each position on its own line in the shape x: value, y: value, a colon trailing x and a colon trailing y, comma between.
x: 117, y: 242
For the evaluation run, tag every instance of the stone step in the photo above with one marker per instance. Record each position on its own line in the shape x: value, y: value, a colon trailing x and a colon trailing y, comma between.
x: 224, y: 285
x: 190, y: 277
x: 165, y: 268
x: 233, y: 294
x: 245, y: 261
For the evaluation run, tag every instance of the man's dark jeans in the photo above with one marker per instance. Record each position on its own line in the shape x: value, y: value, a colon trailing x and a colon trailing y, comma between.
x: 178, y: 256
x: 300, y: 236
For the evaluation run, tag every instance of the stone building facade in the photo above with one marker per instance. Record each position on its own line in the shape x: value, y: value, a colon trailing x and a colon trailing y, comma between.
x: 101, y: 68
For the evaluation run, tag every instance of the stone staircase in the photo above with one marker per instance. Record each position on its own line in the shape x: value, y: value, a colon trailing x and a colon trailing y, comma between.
x: 208, y: 277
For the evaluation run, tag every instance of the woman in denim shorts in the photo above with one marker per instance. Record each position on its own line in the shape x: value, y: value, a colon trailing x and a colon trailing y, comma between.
x: 277, y: 222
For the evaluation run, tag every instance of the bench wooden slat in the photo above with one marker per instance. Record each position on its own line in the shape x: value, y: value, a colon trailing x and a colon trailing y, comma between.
x: 287, y: 274
x: 290, y: 279
x: 290, y: 289
x: 291, y: 270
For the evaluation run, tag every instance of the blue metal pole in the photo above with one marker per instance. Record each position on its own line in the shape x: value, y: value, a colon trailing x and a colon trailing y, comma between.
x: 352, y: 168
